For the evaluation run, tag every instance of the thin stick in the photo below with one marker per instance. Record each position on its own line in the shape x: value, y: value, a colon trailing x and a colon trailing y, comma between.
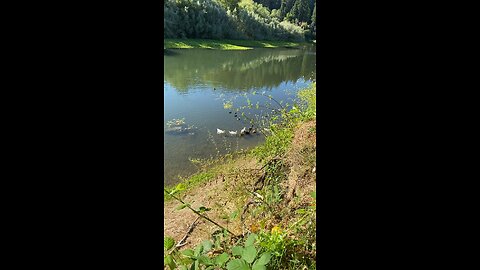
x: 190, y: 229
x: 271, y: 98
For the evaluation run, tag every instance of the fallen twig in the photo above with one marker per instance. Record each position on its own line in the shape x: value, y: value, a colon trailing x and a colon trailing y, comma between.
x: 261, y: 179
x: 189, y: 231
x: 245, y: 208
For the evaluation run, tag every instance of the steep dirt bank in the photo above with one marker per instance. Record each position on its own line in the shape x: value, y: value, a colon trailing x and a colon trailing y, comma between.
x: 230, y: 192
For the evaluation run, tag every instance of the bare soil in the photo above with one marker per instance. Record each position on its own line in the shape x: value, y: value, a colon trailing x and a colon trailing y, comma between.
x: 227, y: 192
x: 219, y: 195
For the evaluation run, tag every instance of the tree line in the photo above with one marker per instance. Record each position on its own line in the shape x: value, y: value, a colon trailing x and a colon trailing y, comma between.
x: 292, y: 20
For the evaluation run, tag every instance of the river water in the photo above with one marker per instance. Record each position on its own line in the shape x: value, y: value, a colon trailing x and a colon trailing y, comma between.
x: 201, y: 84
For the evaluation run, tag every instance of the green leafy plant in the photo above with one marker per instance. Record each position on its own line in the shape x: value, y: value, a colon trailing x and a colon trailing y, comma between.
x: 194, y: 259
x: 171, y: 258
x: 247, y: 257
x: 199, y: 256
x: 274, y: 241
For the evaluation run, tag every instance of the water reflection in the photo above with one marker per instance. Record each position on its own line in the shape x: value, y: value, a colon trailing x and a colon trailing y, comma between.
x: 237, y: 70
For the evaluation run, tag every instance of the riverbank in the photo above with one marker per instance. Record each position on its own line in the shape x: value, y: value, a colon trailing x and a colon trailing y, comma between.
x: 265, y: 198
x: 227, y: 44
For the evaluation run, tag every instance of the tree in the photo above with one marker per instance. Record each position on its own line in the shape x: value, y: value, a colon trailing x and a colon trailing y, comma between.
x: 314, y: 15
x: 271, y: 4
x: 300, y: 11
x: 210, y: 19
x: 229, y: 4
x: 285, y: 7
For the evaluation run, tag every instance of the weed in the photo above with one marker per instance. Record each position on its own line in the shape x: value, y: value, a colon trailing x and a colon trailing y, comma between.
x: 248, y: 257
x: 206, y: 256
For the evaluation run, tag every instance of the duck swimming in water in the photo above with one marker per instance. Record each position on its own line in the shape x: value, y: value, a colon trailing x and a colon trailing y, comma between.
x: 233, y: 132
x: 219, y: 131
x: 243, y: 131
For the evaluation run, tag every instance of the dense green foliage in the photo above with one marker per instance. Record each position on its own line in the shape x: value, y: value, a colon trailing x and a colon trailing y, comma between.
x: 239, y: 19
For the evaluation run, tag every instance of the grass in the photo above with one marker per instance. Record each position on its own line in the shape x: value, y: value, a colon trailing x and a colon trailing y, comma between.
x: 226, y: 44
x: 208, y: 169
x: 277, y: 145
x: 193, y: 181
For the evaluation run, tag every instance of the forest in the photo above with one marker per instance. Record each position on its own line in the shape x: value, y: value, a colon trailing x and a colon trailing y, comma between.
x: 288, y: 20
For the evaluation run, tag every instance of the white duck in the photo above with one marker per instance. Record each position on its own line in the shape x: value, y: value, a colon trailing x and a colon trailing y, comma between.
x: 219, y: 131
x: 233, y: 132
x: 243, y: 131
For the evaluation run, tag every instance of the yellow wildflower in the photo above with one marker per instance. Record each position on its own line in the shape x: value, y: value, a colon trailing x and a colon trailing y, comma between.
x: 276, y: 230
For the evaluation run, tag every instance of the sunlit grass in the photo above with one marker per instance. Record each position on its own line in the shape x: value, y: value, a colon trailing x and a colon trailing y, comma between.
x: 193, y: 181
x: 225, y: 44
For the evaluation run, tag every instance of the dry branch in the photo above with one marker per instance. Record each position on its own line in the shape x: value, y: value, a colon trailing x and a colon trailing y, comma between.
x: 189, y: 231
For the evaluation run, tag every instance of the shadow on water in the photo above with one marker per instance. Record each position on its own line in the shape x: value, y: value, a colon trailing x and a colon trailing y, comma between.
x: 169, y: 52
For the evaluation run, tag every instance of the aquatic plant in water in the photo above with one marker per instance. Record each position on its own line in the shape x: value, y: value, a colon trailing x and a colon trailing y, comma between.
x: 176, y: 122
x: 178, y: 126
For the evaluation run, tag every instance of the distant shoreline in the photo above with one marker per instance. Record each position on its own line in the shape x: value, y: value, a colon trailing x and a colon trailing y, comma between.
x: 227, y: 44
